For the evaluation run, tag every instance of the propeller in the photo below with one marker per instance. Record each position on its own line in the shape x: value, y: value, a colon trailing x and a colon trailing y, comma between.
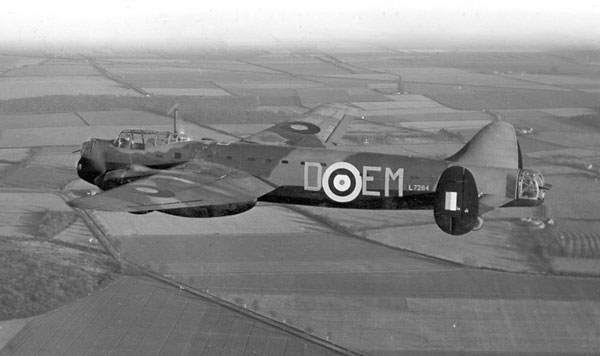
x: 520, y: 159
x: 93, y: 160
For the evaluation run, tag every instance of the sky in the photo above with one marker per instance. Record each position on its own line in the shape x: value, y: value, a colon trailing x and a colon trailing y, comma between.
x: 415, y: 24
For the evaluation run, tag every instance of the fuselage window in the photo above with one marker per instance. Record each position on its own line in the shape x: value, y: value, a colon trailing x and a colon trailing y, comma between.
x: 285, y: 161
x: 229, y: 158
x: 268, y: 160
x: 138, y: 142
x: 251, y: 159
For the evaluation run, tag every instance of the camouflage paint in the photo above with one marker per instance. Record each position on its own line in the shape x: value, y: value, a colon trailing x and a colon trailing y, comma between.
x: 297, y: 162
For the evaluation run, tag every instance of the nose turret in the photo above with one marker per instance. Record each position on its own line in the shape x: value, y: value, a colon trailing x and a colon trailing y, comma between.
x: 92, y: 162
x: 87, y: 171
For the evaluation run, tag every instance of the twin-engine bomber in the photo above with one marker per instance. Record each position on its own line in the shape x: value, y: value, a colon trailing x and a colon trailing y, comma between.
x: 298, y: 162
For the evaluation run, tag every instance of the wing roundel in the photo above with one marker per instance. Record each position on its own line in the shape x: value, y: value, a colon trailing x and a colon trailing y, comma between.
x: 322, y: 127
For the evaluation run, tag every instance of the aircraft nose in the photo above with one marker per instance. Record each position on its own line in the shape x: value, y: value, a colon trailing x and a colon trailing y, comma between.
x: 87, y: 170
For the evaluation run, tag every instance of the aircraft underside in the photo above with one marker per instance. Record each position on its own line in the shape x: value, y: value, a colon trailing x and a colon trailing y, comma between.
x: 300, y: 196
x: 210, y: 211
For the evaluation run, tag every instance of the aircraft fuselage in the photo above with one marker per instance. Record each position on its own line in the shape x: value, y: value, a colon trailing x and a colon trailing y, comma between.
x: 224, y: 178
x: 315, y: 176
x: 304, y: 175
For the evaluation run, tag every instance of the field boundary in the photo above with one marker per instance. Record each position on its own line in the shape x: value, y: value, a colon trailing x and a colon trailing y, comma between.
x: 133, y: 269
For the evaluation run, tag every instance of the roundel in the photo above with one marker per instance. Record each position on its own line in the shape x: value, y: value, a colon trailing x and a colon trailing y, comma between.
x: 150, y: 191
x: 301, y: 127
x: 342, y: 182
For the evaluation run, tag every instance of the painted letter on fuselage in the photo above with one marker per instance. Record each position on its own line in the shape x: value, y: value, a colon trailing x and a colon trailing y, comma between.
x: 398, y: 175
x: 367, y: 178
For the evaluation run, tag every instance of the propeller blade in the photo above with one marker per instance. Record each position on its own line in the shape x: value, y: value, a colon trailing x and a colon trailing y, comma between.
x: 520, y: 155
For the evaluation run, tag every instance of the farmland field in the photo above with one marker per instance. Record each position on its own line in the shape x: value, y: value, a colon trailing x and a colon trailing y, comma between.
x: 187, y: 91
x: 487, y: 62
x: 573, y: 82
x: 145, y: 60
x: 571, y: 139
x: 317, y: 96
x: 264, y: 219
x: 118, y: 117
x: 569, y: 112
x: 404, y: 104
x: 39, y: 120
x: 354, y: 277
x: 535, y: 144
x: 259, y: 84
x: 537, y: 119
x: 387, y: 77
x: 75, y: 69
x: 141, y: 76
x: 300, y: 65
x: 345, y: 83
x: 11, y: 62
x: 463, y: 77
x: 228, y: 65
x: 23, y: 87
x: 479, y: 98
x: 407, y: 97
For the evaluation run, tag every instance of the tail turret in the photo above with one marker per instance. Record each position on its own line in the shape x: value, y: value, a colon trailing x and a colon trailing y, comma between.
x: 485, y: 174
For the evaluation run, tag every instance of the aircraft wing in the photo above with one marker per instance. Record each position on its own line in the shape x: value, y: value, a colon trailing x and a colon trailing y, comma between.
x: 194, y: 185
x: 321, y: 127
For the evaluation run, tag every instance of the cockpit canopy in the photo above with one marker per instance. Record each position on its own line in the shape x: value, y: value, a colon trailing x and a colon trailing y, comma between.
x: 531, y: 185
x: 137, y: 139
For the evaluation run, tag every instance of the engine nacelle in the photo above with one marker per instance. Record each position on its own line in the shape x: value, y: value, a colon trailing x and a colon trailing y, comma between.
x: 118, y: 177
x: 140, y: 212
x: 456, y: 201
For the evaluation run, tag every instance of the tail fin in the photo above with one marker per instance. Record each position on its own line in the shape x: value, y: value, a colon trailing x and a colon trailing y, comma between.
x: 495, y: 145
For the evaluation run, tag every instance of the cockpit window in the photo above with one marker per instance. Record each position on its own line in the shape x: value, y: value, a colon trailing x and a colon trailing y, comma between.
x: 146, y: 139
x: 124, y: 141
